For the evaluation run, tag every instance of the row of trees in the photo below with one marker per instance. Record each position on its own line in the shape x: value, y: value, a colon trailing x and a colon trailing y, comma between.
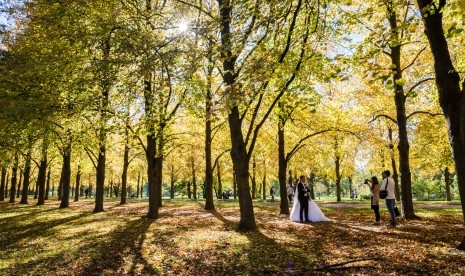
x: 333, y: 88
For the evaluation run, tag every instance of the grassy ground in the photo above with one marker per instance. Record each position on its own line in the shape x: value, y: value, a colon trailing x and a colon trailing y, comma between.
x: 187, y: 240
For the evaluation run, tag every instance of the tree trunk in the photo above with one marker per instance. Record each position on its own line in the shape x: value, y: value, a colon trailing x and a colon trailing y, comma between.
x: 194, y: 183
x: 282, y: 168
x: 234, y: 184
x: 220, y: 184
x: 78, y: 183
x: 395, y: 175
x: 264, y: 186
x: 172, y: 182
x: 254, y: 178
x: 18, y: 190
x: 27, y: 177
x: 159, y: 175
x: 241, y: 169
x: 311, y: 181
x: 189, y: 194
x: 6, y: 184
x: 111, y: 189
x: 451, y: 97
x: 209, y: 205
x: 2, y: 184
x: 138, y: 185
x: 403, y: 146
x: 124, y: 178
x: 60, y: 186
x: 151, y: 178
x: 36, y: 191
x: 447, y: 180
x: 42, y: 177
x: 13, y: 179
x: 100, y: 175
x: 66, y: 176
x: 239, y: 154
x: 47, y: 188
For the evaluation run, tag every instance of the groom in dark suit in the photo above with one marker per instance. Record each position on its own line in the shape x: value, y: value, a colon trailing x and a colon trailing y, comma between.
x: 302, y: 196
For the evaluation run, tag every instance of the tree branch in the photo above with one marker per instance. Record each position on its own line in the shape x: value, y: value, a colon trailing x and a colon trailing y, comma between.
x: 414, y: 59
x: 425, y: 113
x: 382, y: 115
x: 416, y: 85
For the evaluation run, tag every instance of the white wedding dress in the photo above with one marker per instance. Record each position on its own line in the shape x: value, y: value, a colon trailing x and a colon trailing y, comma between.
x: 314, y: 212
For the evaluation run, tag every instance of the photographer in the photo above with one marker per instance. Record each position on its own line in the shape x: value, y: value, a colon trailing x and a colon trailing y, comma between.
x: 374, y: 189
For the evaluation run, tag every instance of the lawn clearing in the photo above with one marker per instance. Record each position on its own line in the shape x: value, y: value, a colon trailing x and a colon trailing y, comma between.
x: 187, y: 240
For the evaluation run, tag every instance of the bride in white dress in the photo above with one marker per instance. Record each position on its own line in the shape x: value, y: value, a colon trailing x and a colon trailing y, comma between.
x: 314, y: 212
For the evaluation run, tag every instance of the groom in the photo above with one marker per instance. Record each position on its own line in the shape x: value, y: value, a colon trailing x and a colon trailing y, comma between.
x: 302, y: 196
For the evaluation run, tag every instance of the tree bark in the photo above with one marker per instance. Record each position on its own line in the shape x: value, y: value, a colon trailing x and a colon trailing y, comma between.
x: 254, y: 178
x: 400, y: 99
x: 395, y: 175
x: 151, y: 177
x: 2, y: 184
x: 311, y: 181
x: 138, y: 185
x: 234, y: 185
x: 13, y: 179
x: 209, y: 205
x: 42, y: 177
x: 27, y: 176
x: 337, y: 162
x: 447, y: 180
x: 78, y: 183
x: 124, y: 177
x: 6, y: 184
x: 47, y: 187
x: 172, y: 182
x: 66, y: 176
x: 194, y: 181
x: 282, y: 167
x: 18, y: 190
x: 264, y: 186
x: 220, y: 184
x: 451, y: 96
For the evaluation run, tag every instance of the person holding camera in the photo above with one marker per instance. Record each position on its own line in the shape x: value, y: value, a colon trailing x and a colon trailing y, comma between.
x: 390, y: 196
x: 374, y: 189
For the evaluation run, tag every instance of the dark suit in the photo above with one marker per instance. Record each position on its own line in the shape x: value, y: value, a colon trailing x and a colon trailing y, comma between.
x: 303, y: 200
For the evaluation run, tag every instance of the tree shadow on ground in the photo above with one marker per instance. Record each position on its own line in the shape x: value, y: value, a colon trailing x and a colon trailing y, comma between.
x: 109, y: 256
x: 14, y: 234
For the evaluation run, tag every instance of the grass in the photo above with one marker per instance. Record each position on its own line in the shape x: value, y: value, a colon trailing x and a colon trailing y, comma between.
x: 186, y: 240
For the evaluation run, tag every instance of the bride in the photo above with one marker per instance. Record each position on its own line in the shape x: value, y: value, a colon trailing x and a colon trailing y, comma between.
x: 314, y: 212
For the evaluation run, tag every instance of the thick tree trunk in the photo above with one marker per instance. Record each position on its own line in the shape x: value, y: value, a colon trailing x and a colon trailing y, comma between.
x: 234, y: 184
x: 151, y: 177
x: 13, y: 179
x: 241, y: 169
x: 100, y: 176
x: 447, y: 180
x: 27, y: 177
x: 111, y: 189
x: 395, y: 175
x: 124, y: 177
x: 78, y: 184
x: 239, y: 154
x: 36, y: 190
x: 189, y: 193
x: 451, y: 97
x: 282, y: 168
x: 220, y: 184
x: 42, y: 177
x: 2, y: 184
x: 403, y: 145
x: 66, y: 176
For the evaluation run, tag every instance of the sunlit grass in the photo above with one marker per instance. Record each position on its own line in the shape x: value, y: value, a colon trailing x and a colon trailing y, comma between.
x: 188, y: 240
